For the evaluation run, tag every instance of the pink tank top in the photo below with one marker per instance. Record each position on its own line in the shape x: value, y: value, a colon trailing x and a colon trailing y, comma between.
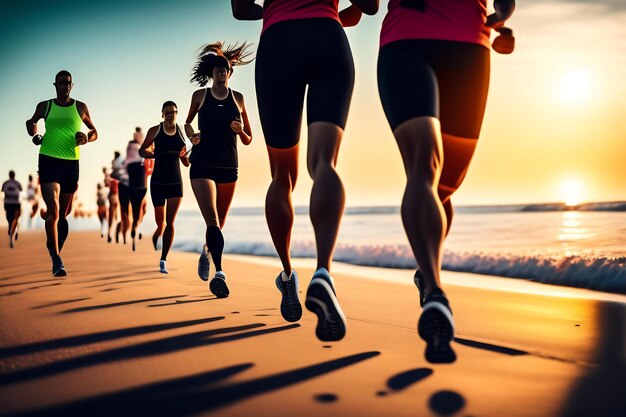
x: 450, y: 20
x: 281, y: 10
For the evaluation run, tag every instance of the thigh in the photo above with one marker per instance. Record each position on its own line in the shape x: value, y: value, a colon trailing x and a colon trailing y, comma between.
x: 330, y: 74
x: 406, y: 82
x: 280, y: 85
x: 205, y: 191
x: 50, y: 193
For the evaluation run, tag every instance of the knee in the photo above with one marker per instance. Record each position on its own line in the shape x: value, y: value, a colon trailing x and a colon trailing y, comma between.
x: 319, y: 167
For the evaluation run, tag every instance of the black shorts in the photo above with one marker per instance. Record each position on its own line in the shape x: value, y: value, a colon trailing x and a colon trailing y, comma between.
x: 161, y: 192
x: 219, y: 175
x: 11, y: 210
x: 62, y: 171
x: 136, y: 196
x: 122, y: 195
x: 291, y: 55
x: 444, y: 79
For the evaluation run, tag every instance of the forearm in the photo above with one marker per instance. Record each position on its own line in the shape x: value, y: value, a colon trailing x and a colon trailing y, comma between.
x: 189, y: 130
x: 369, y: 7
x: 245, y: 137
x: 31, y: 128
x: 92, y: 135
x: 246, y: 10
x: 144, y: 153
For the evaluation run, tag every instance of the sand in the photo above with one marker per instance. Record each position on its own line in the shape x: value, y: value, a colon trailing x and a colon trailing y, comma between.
x: 116, y: 337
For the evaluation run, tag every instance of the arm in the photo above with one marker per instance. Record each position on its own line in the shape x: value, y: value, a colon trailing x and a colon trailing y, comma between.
x: 92, y: 135
x: 369, y: 7
x: 143, y: 151
x: 504, y: 10
x: 184, y: 156
x: 242, y: 128
x: 246, y: 10
x: 31, y: 124
x: 350, y: 16
x: 196, y: 99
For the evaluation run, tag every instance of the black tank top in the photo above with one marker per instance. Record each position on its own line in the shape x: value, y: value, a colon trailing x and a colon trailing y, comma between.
x: 166, y: 157
x: 136, y: 176
x: 218, y: 142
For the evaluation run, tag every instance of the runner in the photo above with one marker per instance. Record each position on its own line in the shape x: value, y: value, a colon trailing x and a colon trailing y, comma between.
x: 166, y: 185
x: 433, y: 77
x: 58, y: 160
x: 222, y: 117
x: 32, y: 195
x: 101, y: 202
x: 12, y: 206
x: 303, y: 45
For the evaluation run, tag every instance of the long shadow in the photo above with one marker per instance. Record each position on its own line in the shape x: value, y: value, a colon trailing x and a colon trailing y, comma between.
x: 183, y: 302
x: 73, y: 341
x: 41, y: 281
x: 121, y: 303
x: 122, y: 274
x: 405, y: 379
x: 600, y: 392
x: 490, y: 347
x: 145, y: 349
x: 446, y: 403
x: 58, y: 303
x: 123, y: 282
x: 193, y: 395
x: 44, y: 286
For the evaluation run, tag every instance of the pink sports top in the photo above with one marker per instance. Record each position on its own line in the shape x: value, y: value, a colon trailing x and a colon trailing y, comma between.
x: 281, y: 10
x: 450, y: 20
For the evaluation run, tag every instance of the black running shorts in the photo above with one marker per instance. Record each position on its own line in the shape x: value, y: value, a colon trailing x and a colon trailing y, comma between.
x: 161, y: 192
x: 219, y: 175
x: 62, y: 171
x: 292, y: 55
x: 444, y: 79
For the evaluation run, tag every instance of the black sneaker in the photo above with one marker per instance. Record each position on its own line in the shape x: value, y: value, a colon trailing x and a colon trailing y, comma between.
x: 58, y: 270
x: 321, y: 300
x: 418, y: 279
x: 290, y: 307
x: 204, y: 264
x: 436, y: 327
x: 218, y: 285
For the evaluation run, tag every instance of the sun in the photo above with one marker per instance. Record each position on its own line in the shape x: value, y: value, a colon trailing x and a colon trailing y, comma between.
x: 575, y: 86
x: 571, y: 192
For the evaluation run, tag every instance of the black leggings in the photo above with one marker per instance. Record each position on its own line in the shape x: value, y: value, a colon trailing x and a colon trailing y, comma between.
x: 291, y: 55
x: 444, y: 79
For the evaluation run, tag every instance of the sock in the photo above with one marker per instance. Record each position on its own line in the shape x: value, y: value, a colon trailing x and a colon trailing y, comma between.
x: 215, y: 243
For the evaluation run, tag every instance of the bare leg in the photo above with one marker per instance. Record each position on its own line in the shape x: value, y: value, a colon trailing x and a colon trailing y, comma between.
x: 205, y: 191
x: 327, y: 195
x: 225, y: 193
x: 50, y: 192
x: 278, y: 206
x: 423, y: 215
x: 172, y: 206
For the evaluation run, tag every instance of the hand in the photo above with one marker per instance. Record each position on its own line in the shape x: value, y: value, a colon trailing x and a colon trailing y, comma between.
x: 37, y: 140
x: 504, y: 9
x: 236, y: 126
x: 183, y: 152
x: 505, y: 42
x: 195, y: 138
x: 81, y: 138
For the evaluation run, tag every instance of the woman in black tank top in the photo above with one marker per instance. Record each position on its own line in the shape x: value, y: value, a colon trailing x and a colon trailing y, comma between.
x: 222, y: 117
x: 166, y: 187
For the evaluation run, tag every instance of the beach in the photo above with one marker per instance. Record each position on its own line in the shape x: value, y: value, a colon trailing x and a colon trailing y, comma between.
x: 116, y: 337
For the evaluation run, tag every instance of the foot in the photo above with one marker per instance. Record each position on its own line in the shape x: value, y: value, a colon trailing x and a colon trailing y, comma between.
x: 109, y: 239
x: 163, y: 267
x: 321, y: 300
x: 436, y: 327
x: 155, y: 240
x: 418, y: 279
x: 140, y: 236
x: 58, y: 270
x: 11, y: 242
x: 16, y: 236
x: 218, y: 285
x: 204, y: 264
x: 290, y: 307
x: 133, y: 244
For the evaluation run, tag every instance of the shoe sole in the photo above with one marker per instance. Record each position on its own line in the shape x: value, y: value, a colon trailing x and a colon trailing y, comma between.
x: 219, y: 288
x: 290, y: 310
x: 321, y: 300
x: 200, y: 274
x: 60, y: 273
x: 436, y: 328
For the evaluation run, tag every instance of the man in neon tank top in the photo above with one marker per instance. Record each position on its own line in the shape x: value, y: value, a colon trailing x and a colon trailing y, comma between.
x: 303, y: 48
x: 433, y: 76
x: 58, y: 159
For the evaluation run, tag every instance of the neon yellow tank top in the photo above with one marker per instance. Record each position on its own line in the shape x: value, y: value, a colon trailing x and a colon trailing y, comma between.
x: 62, y: 124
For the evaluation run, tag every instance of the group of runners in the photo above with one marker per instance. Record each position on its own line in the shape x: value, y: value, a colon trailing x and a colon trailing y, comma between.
x: 433, y: 77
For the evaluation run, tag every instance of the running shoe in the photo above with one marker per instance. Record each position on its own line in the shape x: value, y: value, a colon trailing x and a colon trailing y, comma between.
x: 436, y: 327
x: 58, y: 270
x: 218, y: 285
x: 163, y: 267
x: 290, y: 307
x: 204, y: 264
x: 321, y: 300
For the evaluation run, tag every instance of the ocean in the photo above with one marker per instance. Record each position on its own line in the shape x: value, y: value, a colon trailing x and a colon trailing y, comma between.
x: 546, y: 243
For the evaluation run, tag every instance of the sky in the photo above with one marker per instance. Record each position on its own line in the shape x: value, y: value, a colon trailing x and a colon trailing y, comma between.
x: 554, y: 127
